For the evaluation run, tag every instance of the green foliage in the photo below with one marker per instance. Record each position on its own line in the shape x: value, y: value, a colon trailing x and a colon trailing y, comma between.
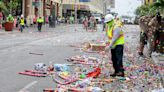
x: 145, y: 10
x: 12, y: 5
x: 8, y: 6
x: 3, y: 8
x: 150, y: 9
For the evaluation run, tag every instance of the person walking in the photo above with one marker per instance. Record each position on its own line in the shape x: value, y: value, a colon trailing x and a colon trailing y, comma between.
x: 34, y: 21
x: 91, y: 24
x: 22, y: 23
x: 102, y: 22
x: 40, y: 22
x: 116, y: 44
x: 85, y: 24
x: 1, y: 19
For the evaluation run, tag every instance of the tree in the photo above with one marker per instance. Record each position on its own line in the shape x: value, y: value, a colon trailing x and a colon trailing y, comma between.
x: 12, y: 5
x: 150, y: 9
x: 159, y: 5
x: 3, y: 8
x: 8, y: 6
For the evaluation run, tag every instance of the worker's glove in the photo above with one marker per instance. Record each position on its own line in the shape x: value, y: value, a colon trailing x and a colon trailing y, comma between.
x: 107, y: 48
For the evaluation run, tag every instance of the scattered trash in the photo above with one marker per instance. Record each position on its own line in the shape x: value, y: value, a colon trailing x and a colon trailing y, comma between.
x: 91, y: 74
x: 36, y: 53
x: 40, y: 67
x: 61, y: 67
x: 34, y: 73
x: 158, y: 90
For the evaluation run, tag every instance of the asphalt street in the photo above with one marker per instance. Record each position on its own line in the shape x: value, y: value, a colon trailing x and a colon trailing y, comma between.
x: 52, y: 44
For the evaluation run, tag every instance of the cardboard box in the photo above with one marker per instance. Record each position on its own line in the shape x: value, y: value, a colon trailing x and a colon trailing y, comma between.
x: 98, y: 47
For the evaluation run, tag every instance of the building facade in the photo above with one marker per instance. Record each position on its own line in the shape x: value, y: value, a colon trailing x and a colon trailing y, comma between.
x: 36, y: 8
x: 83, y: 8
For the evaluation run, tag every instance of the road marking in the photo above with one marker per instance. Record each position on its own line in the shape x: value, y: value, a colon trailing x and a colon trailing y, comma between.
x: 27, y: 86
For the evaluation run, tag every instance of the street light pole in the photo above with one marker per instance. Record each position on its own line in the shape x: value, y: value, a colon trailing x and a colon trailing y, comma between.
x: 105, y: 6
x: 75, y: 11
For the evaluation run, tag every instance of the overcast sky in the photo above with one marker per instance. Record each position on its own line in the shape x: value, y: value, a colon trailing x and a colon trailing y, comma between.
x: 126, y: 7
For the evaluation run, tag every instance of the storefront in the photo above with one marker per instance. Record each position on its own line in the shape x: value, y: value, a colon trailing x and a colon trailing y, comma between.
x: 69, y: 10
x: 35, y: 8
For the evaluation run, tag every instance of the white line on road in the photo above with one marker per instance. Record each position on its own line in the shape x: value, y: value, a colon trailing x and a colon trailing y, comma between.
x: 27, y: 86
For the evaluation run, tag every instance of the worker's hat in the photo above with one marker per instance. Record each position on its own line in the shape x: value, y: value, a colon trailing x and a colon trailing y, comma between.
x: 108, y: 18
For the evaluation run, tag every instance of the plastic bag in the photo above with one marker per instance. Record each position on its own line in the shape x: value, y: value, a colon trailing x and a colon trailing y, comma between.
x: 61, y: 67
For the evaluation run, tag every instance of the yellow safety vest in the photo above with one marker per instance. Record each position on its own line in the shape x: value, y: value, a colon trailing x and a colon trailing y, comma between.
x: 119, y: 41
x: 40, y: 20
x: 118, y: 23
x: 22, y: 22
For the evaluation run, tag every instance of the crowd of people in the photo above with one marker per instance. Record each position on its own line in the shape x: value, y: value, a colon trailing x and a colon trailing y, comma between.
x: 90, y: 24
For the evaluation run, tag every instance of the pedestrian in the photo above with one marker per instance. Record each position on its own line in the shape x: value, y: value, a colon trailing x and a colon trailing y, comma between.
x: 40, y: 22
x: 47, y: 20
x: 71, y: 19
x: 34, y: 20
x: 25, y: 22
x: 21, y: 23
x: 143, y: 36
x: 15, y: 21
x: 154, y: 26
x: 102, y: 21
x: 116, y: 40
x: 85, y: 24
x: 149, y: 26
x: 1, y: 19
x: 18, y: 19
x: 50, y: 20
x: 118, y: 22
x: 92, y: 24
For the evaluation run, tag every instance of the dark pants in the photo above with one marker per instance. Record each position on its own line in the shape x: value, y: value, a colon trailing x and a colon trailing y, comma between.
x: 39, y: 26
x: 117, y: 56
x: 21, y: 28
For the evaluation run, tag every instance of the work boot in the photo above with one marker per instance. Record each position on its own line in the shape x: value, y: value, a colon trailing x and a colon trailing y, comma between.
x: 140, y: 53
x: 120, y: 74
x: 113, y: 75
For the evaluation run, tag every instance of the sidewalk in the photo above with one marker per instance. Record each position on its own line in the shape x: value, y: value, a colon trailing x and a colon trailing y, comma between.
x: 2, y: 31
x: 159, y: 59
x: 30, y: 29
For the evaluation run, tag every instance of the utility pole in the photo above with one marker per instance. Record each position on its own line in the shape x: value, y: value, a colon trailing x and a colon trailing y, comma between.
x: 75, y: 11
x: 105, y: 6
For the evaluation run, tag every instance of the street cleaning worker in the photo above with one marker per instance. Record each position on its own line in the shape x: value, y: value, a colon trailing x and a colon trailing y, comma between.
x: 143, y: 36
x: 116, y: 44
x: 118, y: 22
x: 40, y: 22
x: 22, y: 23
